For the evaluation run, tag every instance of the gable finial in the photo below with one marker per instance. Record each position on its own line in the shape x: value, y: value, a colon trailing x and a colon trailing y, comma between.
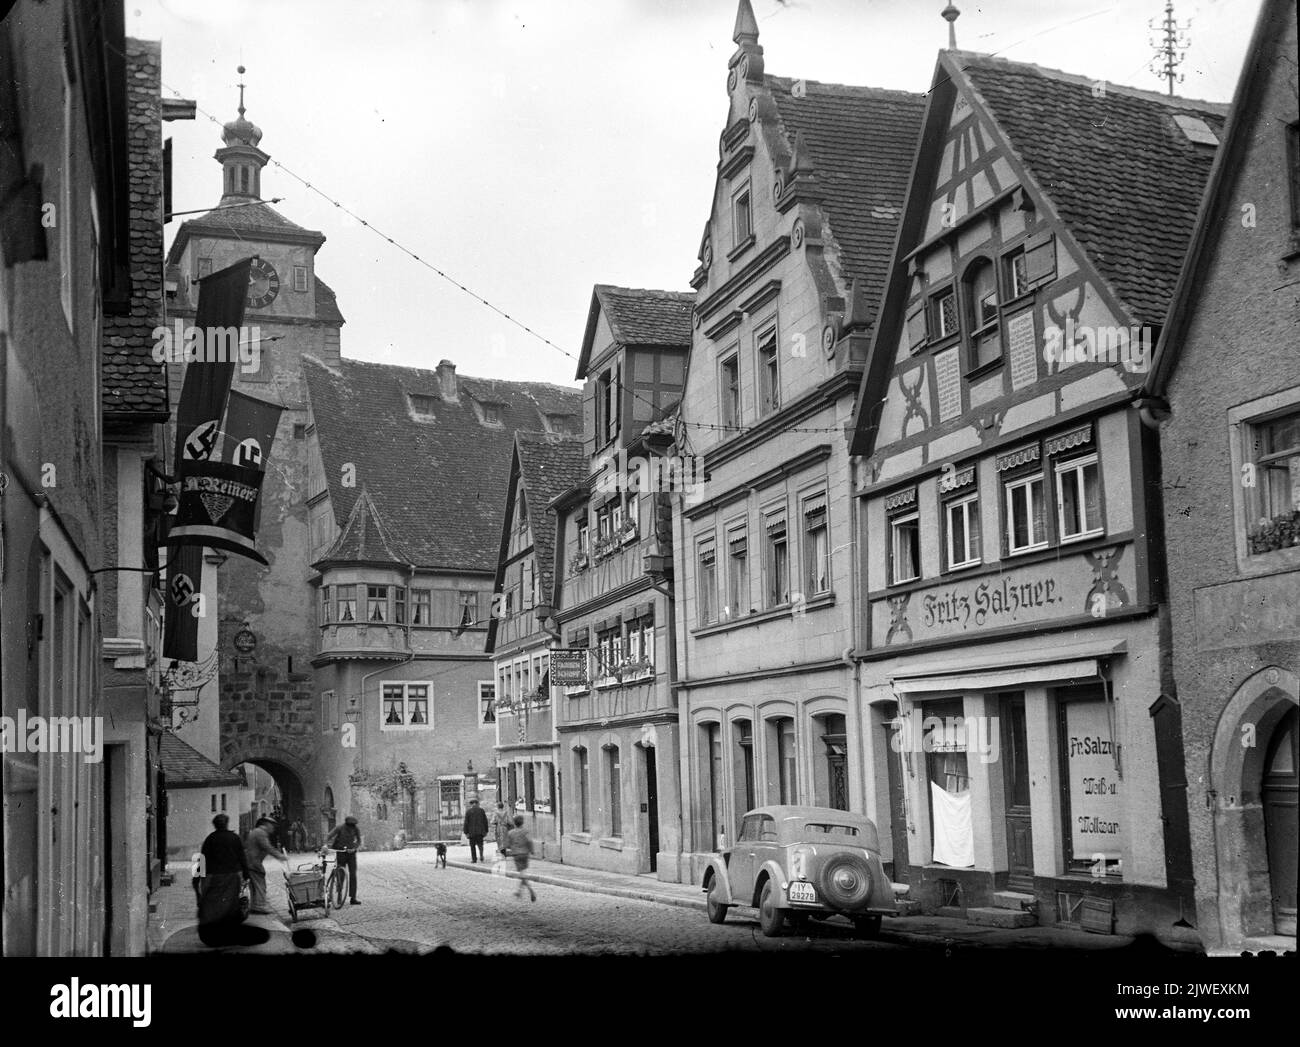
x: 950, y: 15
x: 241, y: 91
x: 1170, y: 46
x: 746, y: 25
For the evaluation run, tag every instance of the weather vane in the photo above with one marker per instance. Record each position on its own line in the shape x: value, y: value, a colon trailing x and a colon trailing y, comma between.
x: 1171, y: 46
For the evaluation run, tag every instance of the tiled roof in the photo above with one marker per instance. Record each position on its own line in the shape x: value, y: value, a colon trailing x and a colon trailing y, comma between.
x: 133, y: 382
x: 861, y: 141
x: 186, y: 766
x: 436, y: 484
x: 247, y: 221
x: 1121, y: 175
x: 327, y: 306
x: 549, y: 465
x: 643, y: 317
x: 364, y: 539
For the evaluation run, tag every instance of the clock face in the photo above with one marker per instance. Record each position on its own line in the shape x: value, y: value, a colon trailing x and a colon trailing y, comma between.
x: 263, y: 284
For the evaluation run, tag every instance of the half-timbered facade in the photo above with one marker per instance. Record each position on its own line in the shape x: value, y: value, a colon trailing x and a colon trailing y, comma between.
x: 1010, y: 642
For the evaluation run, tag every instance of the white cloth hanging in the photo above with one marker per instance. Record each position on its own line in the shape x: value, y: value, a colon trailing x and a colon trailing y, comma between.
x: 954, y: 838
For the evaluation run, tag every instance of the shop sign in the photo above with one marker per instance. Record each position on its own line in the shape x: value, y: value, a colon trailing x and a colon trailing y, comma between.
x: 1093, y: 584
x: 1096, y: 810
x: 569, y: 667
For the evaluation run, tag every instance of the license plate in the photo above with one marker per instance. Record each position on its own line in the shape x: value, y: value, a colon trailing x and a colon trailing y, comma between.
x: 801, y: 892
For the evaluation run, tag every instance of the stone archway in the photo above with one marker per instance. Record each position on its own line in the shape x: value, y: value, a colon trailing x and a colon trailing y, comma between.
x: 290, y: 777
x: 1244, y: 900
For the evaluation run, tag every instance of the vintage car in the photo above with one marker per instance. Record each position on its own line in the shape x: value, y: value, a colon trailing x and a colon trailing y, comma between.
x: 800, y: 862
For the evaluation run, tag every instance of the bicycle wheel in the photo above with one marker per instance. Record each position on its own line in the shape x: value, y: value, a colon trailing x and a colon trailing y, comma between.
x: 337, y: 889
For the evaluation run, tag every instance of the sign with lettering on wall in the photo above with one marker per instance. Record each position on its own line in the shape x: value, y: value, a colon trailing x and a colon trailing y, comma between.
x: 1091, y: 584
x: 569, y: 667
x: 1096, y: 810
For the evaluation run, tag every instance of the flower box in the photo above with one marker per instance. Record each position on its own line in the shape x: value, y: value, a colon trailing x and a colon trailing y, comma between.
x: 1281, y: 532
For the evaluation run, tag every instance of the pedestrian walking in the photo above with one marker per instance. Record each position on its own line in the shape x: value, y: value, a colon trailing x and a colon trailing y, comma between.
x: 257, y: 847
x: 502, y: 823
x: 475, y: 827
x: 346, y: 838
x: 519, y: 846
x: 298, y: 836
x: 225, y: 868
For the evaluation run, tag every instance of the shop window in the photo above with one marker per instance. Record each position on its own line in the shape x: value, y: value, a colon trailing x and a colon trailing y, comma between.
x: 816, y: 547
x: 737, y: 572
x: 1094, y: 826
x: 776, y: 560
x: 729, y: 390
x: 944, y: 743
x: 1078, y: 498
x: 904, y: 547
x: 706, y: 577
x: 744, y: 778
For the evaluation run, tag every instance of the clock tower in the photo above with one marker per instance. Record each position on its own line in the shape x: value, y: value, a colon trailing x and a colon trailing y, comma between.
x: 291, y: 313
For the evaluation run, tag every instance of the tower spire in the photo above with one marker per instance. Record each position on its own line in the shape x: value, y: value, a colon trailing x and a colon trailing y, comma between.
x: 241, y: 92
x: 241, y: 159
x: 950, y: 15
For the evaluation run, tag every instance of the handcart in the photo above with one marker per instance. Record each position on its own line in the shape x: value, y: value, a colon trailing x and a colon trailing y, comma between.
x: 306, y: 886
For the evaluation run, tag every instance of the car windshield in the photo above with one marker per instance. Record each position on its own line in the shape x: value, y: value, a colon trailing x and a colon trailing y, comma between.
x: 831, y: 830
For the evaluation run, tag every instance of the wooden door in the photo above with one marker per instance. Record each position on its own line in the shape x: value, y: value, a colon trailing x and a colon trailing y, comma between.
x: 897, y: 807
x: 1279, y: 793
x: 1015, y: 764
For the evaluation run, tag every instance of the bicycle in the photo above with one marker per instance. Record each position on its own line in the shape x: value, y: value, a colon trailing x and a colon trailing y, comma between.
x: 336, y: 885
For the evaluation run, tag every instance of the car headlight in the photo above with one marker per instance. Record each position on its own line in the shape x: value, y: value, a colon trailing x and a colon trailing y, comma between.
x: 800, y: 862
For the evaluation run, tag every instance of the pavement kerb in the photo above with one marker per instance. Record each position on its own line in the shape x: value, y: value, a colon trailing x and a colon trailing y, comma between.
x: 590, y: 888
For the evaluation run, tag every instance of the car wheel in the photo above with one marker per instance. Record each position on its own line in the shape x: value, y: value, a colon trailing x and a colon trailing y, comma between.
x: 770, y: 918
x: 867, y: 926
x: 717, y: 911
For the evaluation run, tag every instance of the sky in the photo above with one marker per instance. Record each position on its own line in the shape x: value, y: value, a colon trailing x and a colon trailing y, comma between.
x: 530, y: 150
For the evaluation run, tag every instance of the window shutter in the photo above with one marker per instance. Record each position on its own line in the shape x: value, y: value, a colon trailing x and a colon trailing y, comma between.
x: 1040, y: 258
x: 917, y: 326
x: 589, y: 418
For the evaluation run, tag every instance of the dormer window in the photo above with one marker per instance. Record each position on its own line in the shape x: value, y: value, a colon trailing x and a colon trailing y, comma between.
x: 1197, y: 130
x: 559, y: 423
x: 421, y: 404
x: 492, y: 414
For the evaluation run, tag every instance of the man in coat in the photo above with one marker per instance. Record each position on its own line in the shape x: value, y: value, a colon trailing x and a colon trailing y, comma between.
x: 476, y: 827
x: 346, y: 839
x: 502, y: 823
x: 258, y: 846
x: 222, y: 871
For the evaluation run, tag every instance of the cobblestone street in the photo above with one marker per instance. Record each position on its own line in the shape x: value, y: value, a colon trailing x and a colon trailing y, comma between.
x: 405, y: 897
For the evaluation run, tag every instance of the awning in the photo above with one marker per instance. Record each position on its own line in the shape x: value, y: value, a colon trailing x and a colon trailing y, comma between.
x: 1008, y: 669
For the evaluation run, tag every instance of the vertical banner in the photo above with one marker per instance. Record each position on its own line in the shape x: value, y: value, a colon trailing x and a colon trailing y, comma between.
x: 250, y: 432
x: 211, y: 366
x: 222, y: 297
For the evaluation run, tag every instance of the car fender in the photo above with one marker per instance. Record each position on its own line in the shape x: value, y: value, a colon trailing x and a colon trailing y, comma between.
x: 773, y: 871
x: 718, y: 868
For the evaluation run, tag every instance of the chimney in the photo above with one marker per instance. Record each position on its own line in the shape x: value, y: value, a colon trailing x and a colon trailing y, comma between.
x: 447, y: 381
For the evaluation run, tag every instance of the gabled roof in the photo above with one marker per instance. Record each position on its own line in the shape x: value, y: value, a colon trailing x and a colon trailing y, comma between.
x: 549, y: 464
x: 1216, y: 211
x: 134, y: 384
x: 860, y: 142
x: 435, y: 481
x: 186, y: 767
x: 638, y: 317
x: 1119, y: 173
x: 364, y: 539
x: 1115, y: 169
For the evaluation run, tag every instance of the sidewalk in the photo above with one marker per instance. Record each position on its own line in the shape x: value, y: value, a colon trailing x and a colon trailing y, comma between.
x: 924, y: 931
